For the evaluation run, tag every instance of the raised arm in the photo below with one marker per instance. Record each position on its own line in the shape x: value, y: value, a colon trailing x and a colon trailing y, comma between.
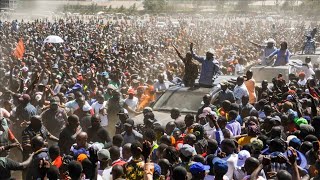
x: 255, y: 44
x: 179, y: 54
x: 198, y: 58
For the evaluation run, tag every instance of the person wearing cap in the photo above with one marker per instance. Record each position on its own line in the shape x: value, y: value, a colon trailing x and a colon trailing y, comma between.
x: 218, y: 168
x: 54, y: 118
x: 123, y: 116
x: 225, y: 94
x: 267, y: 50
x: 206, y: 103
x: 209, y: 117
x: 209, y: 67
x: 130, y: 135
x: 104, y: 157
x: 198, y: 171
x: 131, y: 103
x: 309, y: 46
x: 239, y: 172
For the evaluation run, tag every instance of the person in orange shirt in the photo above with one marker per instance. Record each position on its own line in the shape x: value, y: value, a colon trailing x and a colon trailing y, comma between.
x: 146, y: 98
x: 251, y: 85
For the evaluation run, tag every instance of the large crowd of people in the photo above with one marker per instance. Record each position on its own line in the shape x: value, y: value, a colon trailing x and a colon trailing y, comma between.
x: 67, y: 108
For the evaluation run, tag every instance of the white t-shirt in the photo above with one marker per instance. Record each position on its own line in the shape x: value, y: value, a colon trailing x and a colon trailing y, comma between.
x: 106, y: 174
x: 239, y: 92
x: 239, y: 69
x: 104, y: 120
x: 302, y: 82
x: 132, y: 103
x: 209, y: 130
x: 232, y: 162
x: 96, y: 106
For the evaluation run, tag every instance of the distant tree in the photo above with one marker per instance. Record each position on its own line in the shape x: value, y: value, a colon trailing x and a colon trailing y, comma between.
x: 243, y: 5
x: 121, y: 9
x: 154, y: 5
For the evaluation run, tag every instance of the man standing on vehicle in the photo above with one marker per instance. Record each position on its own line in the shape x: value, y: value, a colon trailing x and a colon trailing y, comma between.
x: 309, y: 46
x: 209, y: 67
x: 267, y: 50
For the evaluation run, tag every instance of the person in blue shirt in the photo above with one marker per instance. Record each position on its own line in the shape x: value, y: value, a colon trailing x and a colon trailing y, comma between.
x: 283, y: 55
x: 209, y: 67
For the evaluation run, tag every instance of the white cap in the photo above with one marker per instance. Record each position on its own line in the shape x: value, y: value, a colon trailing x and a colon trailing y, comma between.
x: 242, y: 157
x: 211, y: 51
x: 86, y: 107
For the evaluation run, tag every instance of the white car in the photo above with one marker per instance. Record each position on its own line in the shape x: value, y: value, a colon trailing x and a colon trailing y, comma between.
x: 161, y: 24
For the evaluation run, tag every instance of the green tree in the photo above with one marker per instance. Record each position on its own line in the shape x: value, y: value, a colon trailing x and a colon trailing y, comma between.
x: 154, y: 5
x: 121, y: 9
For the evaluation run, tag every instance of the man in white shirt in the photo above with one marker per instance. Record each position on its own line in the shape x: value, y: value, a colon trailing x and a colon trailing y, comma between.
x: 302, y: 79
x: 228, y: 147
x: 160, y: 86
x: 99, y: 107
x: 240, y: 90
x: 99, y: 104
x: 209, y: 126
x: 131, y: 102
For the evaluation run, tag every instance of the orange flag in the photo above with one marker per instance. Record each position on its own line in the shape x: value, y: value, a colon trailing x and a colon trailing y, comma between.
x: 19, y: 51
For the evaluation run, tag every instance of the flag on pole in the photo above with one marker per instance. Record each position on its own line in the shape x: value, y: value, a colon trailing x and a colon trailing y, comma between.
x: 19, y: 51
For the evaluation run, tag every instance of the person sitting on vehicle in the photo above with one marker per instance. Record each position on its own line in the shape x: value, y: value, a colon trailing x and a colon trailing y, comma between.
x: 309, y: 46
x: 267, y: 50
x: 283, y: 55
x: 209, y: 67
x: 190, y: 69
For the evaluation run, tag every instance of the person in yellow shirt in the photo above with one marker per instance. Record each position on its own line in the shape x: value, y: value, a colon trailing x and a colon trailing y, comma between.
x: 253, y: 130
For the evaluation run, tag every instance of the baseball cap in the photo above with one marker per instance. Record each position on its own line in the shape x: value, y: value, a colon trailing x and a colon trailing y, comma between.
x: 122, y: 111
x: 187, y: 150
x: 198, y: 167
x: 86, y: 107
x: 147, y: 109
x: 82, y: 157
x: 131, y: 91
x: 220, y: 165
x: 103, y: 155
x: 300, y: 121
x: 25, y: 97
x: 242, y: 156
x: 211, y: 51
x: 207, y: 111
x: 129, y: 122
x: 295, y: 142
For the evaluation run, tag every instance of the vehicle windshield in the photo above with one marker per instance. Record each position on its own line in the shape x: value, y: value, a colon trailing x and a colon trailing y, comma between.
x: 186, y: 101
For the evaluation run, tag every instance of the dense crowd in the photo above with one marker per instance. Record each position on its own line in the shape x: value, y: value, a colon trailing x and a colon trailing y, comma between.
x: 68, y: 107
